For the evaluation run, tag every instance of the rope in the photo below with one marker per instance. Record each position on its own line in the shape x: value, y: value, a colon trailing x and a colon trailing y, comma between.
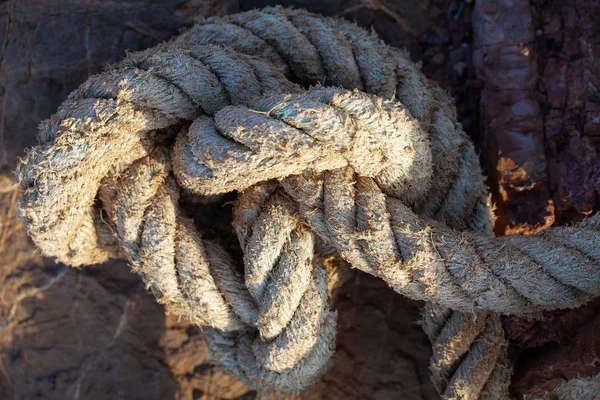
x: 546, y: 272
x: 325, y: 165
x: 426, y: 260
x: 573, y: 389
x: 469, y: 354
x: 312, y: 49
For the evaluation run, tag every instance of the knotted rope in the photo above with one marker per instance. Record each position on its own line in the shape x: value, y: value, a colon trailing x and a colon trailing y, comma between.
x: 556, y: 269
x: 106, y: 142
x: 325, y: 165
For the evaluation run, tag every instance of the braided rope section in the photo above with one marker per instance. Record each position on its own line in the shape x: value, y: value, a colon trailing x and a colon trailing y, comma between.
x: 387, y: 179
x: 462, y: 271
x: 286, y: 134
x: 104, y: 122
x: 427, y: 260
x: 311, y: 50
x: 470, y: 358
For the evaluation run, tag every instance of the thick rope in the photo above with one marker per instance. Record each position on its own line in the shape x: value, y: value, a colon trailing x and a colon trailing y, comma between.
x: 346, y: 162
x: 469, y: 354
x: 470, y: 359
x: 573, y: 389
x: 468, y: 277
x: 494, y: 377
x: 105, y: 120
x: 323, y: 129
x: 105, y: 141
x: 316, y: 50
x: 422, y: 258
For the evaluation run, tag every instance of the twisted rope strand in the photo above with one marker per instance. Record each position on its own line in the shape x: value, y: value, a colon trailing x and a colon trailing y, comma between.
x: 466, y: 351
x: 286, y: 134
x: 166, y: 250
x: 455, y: 334
x: 237, y: 354
x: 197, y: 279
x: 103, y: 120
x: 460, y: 270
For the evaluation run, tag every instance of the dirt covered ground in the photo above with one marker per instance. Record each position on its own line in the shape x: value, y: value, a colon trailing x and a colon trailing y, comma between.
x: 524, y: 75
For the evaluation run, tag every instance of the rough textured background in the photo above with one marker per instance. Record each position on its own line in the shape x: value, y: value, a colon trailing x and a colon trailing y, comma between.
x: 96, y: 334
x: 541, y: 106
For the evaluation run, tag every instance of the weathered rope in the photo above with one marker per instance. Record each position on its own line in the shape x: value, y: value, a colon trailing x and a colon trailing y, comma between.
x: 104, y: 141
x: 314, y: 50
x: 107, y: 118
x: 285, y: 134
x: 469, y: 354
x: 573, y: 389
x: 491, y: 375
x: 470, y: 358
x: 427, y: 260
x: 345, y: 165
x: 544, y: 273
x: 248, y: 37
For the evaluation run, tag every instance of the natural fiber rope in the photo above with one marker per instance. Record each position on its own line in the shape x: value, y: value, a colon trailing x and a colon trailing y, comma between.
x: 313, y: 49
x: 573, y: 389
x: 108, y: 126
x: 491, y: 377
x: 424, y: 259
x: 559, y: 268
x: 104, y: 138
x: 246, y: 36
x: 469, y: 354
x: 470, y: 359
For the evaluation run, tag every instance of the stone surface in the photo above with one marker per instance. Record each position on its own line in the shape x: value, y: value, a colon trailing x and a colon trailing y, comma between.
x: 560, y: 346
x: 570, y: 90
x: 539, y: 65
x: 540, y: 104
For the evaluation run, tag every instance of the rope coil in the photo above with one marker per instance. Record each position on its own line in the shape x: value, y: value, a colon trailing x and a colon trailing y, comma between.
x: 386, y: 178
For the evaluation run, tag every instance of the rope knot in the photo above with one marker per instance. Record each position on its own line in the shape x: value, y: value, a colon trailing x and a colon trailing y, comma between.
x: 287, y: 134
